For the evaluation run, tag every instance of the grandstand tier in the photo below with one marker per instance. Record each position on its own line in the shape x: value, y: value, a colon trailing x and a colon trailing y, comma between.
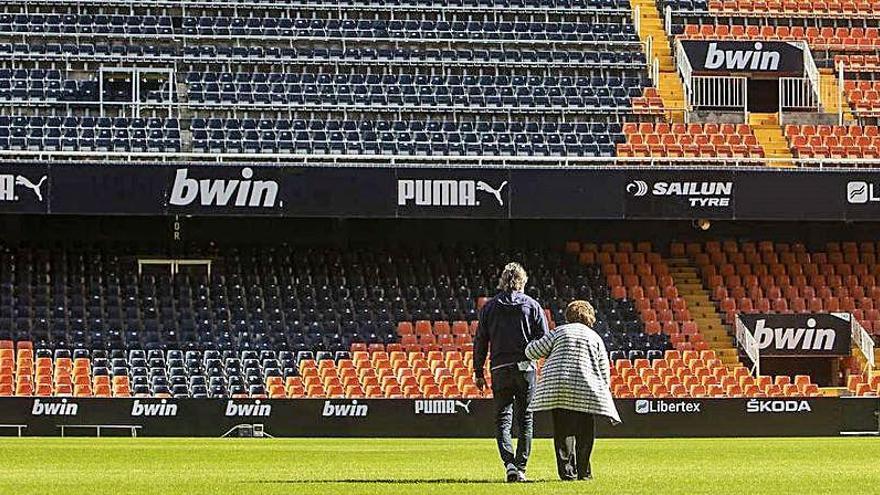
x: 462, y: 81
x: 319, y: 322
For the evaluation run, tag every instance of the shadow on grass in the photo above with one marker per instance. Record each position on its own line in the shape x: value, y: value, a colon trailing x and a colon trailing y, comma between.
x: 441, y: 481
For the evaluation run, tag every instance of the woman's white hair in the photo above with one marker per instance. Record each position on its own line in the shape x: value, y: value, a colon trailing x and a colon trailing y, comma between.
x: 513, y: 278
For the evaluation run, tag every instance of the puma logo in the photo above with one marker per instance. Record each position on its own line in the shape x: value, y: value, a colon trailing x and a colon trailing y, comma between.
x: 482, y: 186
x: 466, y: 406
x: 24, y: 181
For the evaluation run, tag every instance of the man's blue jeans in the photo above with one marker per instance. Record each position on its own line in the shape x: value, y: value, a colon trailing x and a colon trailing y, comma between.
x: 513, y: 390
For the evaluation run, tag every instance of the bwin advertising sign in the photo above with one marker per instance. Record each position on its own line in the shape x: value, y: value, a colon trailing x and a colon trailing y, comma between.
x: 800, y: 334
x: 772, y: 58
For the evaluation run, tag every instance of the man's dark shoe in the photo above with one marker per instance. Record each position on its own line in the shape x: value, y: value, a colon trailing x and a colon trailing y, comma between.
x: 512, y: 473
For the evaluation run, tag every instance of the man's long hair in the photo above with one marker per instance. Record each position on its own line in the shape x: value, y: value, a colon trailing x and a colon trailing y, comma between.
x: 513, y: 278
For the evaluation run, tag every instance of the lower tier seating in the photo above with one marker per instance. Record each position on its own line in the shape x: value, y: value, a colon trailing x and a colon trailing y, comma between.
x: 375, y: 374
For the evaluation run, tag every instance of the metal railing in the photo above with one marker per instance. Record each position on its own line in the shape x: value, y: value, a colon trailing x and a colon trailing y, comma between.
x: 667, y: 17
x: 841, y: 98
x: 312, y: 5
x: 863, y: 341
x: 796, y: 93
x: 293, y: 108
x: 810, y: 68
x: 685, y: 71
x: 445, y: 37
x: 655, y: 71
x: 719, y: 92
x: 390, y: 160
x: 746, y: 341
x: 173, y: 264
x: 637, y: 19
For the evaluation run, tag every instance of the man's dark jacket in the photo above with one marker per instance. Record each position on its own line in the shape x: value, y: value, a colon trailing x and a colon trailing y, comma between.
x: 509, y: 321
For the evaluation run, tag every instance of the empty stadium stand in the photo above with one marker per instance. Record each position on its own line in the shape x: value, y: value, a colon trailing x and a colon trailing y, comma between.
x: 833, y: 141
x: 690, y: 140
x: 268, y: 318
x: 374, y: 323
x: 463, y: 80
x: 765, y: 277
x: 420, y: 78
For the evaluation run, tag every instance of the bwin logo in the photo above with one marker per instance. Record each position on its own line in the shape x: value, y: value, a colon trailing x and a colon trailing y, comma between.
x: 809, y: 338
x: 223, y: 192
x: 741, y: 59
x: 162, y: 409
x: 62, y: 408
x: 8, y: 183
x: 637, y: 188
x: 442, y: 407
x: 428, y: 192
x: 251, y: 410
x: 353, y: 410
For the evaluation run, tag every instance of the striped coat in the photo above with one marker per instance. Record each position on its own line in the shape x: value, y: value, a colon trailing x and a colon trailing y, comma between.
x: 576, y: 375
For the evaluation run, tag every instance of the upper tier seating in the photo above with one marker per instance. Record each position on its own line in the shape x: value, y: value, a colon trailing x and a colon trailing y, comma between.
x: 815, y: 8
x: 89, y: 134
x: 406, y: 138
x: 523, y: 57
x: 825, y: 141
x: 578, y: 66
x: 825, y: 38
x: 210, y: 26
x: 327, y: 89
x: 692, y: 140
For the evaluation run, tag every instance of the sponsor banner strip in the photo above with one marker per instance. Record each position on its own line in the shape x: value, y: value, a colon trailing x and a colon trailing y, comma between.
x: 437, y: 192
x: 434, y: 417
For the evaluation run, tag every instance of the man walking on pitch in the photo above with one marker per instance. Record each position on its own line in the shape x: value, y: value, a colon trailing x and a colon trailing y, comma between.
x: 508, y: 322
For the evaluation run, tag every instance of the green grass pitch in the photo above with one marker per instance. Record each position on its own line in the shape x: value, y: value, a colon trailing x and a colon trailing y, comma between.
x: 146, y: 466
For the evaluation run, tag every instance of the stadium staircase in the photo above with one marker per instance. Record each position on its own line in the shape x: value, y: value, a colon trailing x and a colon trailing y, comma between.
x: 650, y: 25
x: 861, y: 379
x: 771, y: 137
x: 687, y: 280
x: 828, y: 97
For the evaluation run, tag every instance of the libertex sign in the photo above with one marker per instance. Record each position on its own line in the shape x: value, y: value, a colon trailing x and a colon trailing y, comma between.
x: 800, y: 334
x: 770, y: 58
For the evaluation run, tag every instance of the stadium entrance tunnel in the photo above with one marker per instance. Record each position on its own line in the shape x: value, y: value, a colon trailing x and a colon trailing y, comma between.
x: 43, y: 416
x: 763, y: 95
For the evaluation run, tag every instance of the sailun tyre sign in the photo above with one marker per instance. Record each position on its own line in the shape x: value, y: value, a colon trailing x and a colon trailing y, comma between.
x: 745, y: 57
x: 800, y: 334
x: 674, y: 195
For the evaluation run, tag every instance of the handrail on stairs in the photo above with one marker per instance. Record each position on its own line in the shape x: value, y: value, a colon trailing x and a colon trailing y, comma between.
x: 667, y: 14
x: 840, y: 93
x: 683, y: 66
x: 637, y: 19
x: 810, y: 68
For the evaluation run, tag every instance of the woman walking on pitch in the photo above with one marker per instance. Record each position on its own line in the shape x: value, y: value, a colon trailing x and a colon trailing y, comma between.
x: 575, y: 386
